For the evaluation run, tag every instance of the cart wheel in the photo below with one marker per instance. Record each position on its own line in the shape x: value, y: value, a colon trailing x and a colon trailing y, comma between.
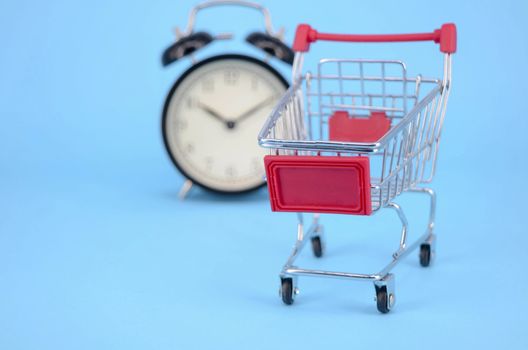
x: 287, y: 291
x: 317, y: 246
x: 425, y: 255
x: 383, y: 300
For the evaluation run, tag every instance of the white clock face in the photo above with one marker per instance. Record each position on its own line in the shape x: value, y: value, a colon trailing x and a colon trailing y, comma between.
x: 212, y: 119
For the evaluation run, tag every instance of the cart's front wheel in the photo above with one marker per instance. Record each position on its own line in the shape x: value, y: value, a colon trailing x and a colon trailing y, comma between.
x: 317, y: 246
x: 287, y: 290
x: 425, y: 254
x: 384, y: 300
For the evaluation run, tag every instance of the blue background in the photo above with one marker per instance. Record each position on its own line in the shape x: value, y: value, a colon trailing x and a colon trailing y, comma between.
x: 97, y: 252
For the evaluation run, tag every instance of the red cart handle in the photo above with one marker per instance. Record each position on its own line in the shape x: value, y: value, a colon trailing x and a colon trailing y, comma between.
x: 445, y: 36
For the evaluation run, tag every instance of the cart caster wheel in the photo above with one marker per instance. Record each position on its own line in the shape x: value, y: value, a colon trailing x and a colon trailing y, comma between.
x: 425, y: 254
x: 287, y: 291
x: 317, y: 246
x: 384, y: 300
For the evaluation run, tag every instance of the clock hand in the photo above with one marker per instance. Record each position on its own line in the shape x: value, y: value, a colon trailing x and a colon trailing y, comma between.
x: 212, y: 113
x: 255, y: 108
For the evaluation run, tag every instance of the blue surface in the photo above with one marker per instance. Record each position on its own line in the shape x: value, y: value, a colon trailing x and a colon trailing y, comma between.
x: 96, y: 252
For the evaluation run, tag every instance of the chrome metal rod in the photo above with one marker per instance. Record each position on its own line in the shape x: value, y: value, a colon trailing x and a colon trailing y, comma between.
x: 404, y: 252
x: 405, y: 224
x: 432, y: 206
x: 331, y: 274
x: 299, y: 243
x: 241, y: 3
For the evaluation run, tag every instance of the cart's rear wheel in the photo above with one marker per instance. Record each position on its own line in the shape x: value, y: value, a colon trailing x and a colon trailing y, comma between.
x: 317, y: 246
x: 383, y: 299
x: 287, y: 290
x: 425, y: 254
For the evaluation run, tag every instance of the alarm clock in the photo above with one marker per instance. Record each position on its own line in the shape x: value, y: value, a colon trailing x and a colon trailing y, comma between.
x: 214, y: 111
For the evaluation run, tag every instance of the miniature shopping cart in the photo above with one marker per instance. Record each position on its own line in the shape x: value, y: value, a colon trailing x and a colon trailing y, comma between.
x: 351, y: 137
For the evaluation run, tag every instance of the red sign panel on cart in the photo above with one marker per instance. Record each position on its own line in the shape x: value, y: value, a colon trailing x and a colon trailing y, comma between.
x: 319, y: 184
x: 343, y: 127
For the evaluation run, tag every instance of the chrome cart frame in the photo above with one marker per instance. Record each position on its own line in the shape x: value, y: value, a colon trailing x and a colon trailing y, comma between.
x: 401, y: 160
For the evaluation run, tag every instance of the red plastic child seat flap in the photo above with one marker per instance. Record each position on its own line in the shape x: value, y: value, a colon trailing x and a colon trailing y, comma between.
x: 319, y: 184
x: 342, y: 127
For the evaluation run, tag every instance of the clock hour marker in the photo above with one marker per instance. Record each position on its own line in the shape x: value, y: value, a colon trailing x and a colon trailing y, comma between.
x: 256, y: 165
x: 230, y: 171
x: 190, y: 102
x: 254, y: 83
x: 180, y: 124
x: 231, y: 76
x: 208, y: 85
x: 189, y: 148
x: 209, y: 163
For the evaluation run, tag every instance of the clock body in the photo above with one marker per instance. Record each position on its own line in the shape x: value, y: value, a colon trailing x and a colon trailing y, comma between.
x: 212, y: 117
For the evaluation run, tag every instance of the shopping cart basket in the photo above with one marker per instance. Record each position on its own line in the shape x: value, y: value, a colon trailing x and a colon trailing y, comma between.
x: 350, y: 138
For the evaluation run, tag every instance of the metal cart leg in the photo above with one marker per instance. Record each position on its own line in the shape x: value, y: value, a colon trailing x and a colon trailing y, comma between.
x: 316, y: 237
x: 289, y: 288
x: 385, y: 285
x: 405, y: 225
x: 427, y: 248
x: 385, y: 296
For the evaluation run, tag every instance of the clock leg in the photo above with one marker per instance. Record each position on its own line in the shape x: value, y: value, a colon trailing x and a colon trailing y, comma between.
x: 186, y: 187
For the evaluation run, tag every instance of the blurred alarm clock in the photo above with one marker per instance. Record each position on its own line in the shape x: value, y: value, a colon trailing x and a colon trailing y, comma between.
x: 214, y: 111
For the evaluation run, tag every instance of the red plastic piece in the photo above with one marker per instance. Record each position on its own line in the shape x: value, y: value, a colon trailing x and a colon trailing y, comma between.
x: 446, y: 37
x: 302, y: 41
x: 319, y: 184
x: 342, y: 127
